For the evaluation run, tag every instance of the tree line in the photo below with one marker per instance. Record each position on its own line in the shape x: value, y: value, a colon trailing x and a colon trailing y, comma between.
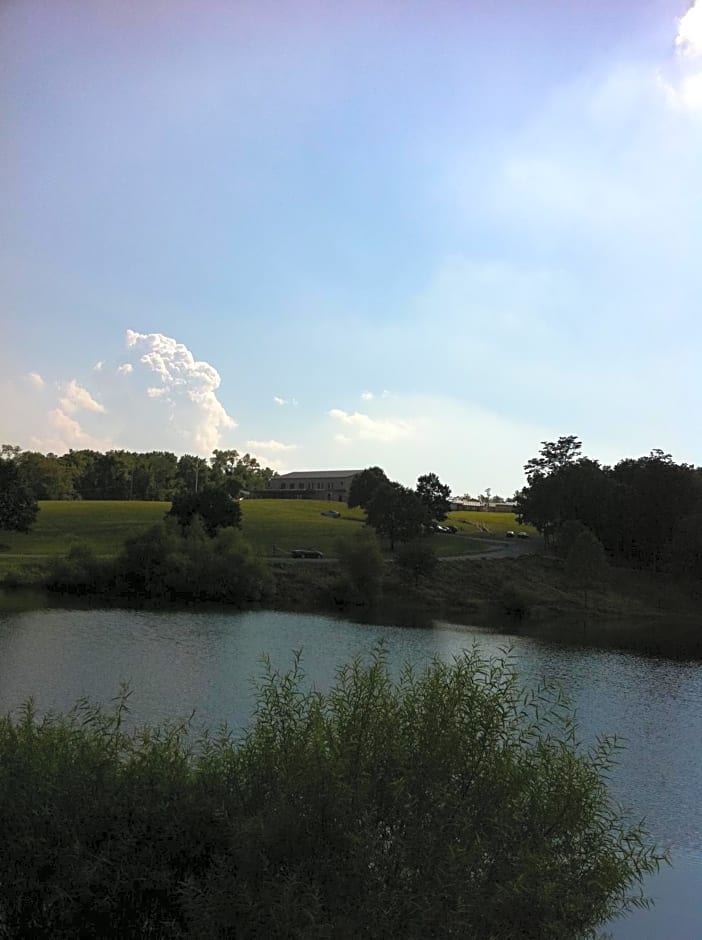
x: 645, y: 511
x: 123, y: 474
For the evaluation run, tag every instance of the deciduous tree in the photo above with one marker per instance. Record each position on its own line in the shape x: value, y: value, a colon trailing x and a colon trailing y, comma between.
x: 397, y: 513
x: 18, y: 507
x: 434, y: 494
x: 364, y: 486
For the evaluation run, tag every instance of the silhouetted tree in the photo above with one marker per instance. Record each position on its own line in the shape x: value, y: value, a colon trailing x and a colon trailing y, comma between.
x: 18, y: 507
x: 397, y: 513
x: 216, y: 508
x: 434, y: 494
x: 364, y: 486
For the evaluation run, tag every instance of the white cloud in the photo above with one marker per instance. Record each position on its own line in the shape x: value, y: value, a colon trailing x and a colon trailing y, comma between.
x: 36, y: 380
x: 285, y: 401
x: 270, y: 445
x: 366, y: 428
x: 371, y: 396
x: 154, y: 392
x: 98, y: 366
x: 689, y: 38
x: 125, y: 369
x: 189, y: 387
x: 77, y: 398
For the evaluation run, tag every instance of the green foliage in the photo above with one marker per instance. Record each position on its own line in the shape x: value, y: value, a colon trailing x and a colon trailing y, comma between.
x: 215, y: 507
x: 445, y: 803
x: 193, y: 566
x: 79, y: 572
x: 634, y: 508
x: 567, y: 534
x: 364, y: 486
x: 686, y: 548
x: 397, y: 513
x: 586, y: 563
x: 362, y: 563
x: 236, y: 473
x: 417, y: 559
x: 553, y: 456
x: 434, y: 494
x: 18, y: 507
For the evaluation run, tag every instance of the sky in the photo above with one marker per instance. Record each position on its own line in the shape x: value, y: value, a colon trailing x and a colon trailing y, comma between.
x: 425, y: 236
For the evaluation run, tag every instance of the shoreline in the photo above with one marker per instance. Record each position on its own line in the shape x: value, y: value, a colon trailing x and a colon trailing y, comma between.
x: 526, y: 596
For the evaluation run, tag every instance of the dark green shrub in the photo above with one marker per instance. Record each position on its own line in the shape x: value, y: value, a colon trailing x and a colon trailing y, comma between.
x: 446, y: 803
x: 416, y: 559
x: 80, y: 571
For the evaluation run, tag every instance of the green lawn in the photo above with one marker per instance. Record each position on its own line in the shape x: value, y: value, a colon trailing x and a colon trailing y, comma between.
x: 274, y: 526
x: 102, y: 524
x: 494, y: 524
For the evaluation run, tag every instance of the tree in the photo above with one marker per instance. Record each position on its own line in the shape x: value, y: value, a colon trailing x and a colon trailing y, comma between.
x: 448, y: 802
x: 362, y: 563
x: 485, y: 498
x: 586, y: 563
x: 434, y: 494
x: 553, y: 455
x: 687, y: 546
x: 216, y: 508
x: 417, y: 559
x: 397, y: 513
x: 236, y: 473
x: 18, y: 507
x: 364, y: 486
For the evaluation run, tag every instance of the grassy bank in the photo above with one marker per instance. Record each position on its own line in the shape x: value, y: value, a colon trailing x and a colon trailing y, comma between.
x: 530, y: 596
x: 274, y: 528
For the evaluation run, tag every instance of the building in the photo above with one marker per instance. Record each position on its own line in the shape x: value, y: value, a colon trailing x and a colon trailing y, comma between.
x: 477, y: 505
x: 310, y: 484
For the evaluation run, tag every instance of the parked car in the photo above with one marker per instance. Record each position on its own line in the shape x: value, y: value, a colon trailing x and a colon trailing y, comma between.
x: 509, y: 535
x: 523, y: 535
x: 306, y: 553
x: 331, y: 513
x: 450, y: 528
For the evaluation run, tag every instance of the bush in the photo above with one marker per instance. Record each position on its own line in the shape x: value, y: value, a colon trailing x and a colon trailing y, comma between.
x: 417, y: 559
x: 80, y: 571
x: 362, y: 567
x: 193, y: 566
x: 446, y: 803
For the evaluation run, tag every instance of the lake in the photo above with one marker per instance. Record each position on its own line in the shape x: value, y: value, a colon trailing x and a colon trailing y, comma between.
x: 180, y: 662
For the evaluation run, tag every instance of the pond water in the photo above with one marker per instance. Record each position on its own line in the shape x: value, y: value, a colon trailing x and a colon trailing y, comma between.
x: 177, y: 662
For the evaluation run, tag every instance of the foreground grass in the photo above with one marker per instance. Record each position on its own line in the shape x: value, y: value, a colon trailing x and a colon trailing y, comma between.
x: 273, y: 526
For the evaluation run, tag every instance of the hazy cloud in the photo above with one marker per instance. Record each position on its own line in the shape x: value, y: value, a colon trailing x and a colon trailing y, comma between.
x: 270, y: 445
x: 125, y: 368
x: 365, y: 427
x: 284, y: 401
x: 36, y: 380
x: 77, y: 398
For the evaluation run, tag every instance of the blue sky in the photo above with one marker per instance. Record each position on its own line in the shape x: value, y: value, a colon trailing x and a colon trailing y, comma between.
x: 425, y: 236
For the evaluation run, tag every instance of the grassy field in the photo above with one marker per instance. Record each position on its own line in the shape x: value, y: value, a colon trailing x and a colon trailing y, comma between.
x: 101, y: 524
x: 273, y: 526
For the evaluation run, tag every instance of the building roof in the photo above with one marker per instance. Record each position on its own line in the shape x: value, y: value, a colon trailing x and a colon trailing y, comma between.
x: 301, y: 474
